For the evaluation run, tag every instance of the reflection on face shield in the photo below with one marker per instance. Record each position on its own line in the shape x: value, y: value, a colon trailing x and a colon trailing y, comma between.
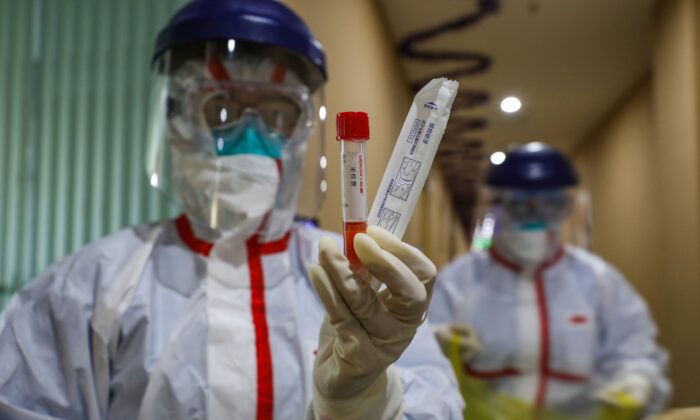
x: 278, y: 108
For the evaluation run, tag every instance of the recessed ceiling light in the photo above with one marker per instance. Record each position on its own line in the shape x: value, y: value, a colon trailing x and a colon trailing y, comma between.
x: 511, y: 104
x: 498, y: 157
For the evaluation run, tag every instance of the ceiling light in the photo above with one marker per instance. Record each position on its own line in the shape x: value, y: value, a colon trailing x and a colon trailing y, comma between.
x: 510, y: 104
x: 498, y: 157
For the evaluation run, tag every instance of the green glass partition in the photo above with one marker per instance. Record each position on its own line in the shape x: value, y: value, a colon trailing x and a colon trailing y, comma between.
x: 74, y: 87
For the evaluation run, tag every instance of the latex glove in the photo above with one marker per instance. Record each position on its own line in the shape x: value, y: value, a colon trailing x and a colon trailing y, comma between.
x: 365, y: 331
x: 460, y: 334
x: 628, y: 391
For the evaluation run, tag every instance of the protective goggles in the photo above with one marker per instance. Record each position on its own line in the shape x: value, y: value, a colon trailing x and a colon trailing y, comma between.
x: 214, y: 106
x: 533, y: 208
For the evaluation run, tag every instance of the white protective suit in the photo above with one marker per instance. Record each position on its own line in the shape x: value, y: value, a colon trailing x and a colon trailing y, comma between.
x: 154, y: 323
x: 551, y: 336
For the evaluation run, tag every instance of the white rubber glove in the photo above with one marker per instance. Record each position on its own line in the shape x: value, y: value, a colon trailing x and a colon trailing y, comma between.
x: 364, y: 332
x: 461, y: 335
x: 628, y: 391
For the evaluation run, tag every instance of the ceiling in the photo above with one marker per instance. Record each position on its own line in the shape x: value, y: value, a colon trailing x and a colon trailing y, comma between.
x: 569, y: 61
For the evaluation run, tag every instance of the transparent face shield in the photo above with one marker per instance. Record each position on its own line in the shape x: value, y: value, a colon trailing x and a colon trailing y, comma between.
x: 229, y: 133
x: 519, y: 209
x: 532, y: 209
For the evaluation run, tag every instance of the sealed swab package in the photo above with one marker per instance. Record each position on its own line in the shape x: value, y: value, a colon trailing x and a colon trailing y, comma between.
x: 413, y: 156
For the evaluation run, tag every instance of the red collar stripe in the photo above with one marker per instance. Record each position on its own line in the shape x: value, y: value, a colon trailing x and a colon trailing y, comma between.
x: 184, y: 229
x: 275, y: 247
x: 499, y: 258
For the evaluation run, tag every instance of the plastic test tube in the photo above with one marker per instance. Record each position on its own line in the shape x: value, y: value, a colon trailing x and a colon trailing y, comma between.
x: 353, y: 132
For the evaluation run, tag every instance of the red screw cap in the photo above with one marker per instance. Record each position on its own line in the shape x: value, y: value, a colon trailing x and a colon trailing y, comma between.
x: 352, y: 126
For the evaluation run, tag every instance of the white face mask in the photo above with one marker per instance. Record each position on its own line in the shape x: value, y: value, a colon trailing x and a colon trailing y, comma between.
x: 227, y: 192
x: 529, y: 246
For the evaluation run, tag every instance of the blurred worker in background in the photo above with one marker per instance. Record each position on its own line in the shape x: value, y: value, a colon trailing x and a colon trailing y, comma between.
x: 213, y: 315
x: 534, y: 327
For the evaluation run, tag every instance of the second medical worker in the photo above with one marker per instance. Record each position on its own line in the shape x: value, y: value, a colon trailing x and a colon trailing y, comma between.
x: 538, y: 329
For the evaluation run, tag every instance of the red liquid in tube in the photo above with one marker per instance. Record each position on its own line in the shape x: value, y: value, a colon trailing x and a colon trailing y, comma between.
x: 350, y: 229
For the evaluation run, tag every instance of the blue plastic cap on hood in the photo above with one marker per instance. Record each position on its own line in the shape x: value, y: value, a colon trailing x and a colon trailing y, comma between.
x: 261, y: 21
x: 533, y: 166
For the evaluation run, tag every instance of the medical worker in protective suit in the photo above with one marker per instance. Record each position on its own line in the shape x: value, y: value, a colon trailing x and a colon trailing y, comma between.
x: 535, y: 328
x: 214, y: 315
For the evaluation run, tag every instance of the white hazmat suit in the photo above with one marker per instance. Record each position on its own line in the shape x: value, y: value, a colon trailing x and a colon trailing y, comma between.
x: 552, y: 335
x: 153, y: 322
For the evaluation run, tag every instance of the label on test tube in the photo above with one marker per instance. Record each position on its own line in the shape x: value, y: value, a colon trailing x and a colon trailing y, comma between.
x: 354, y: 202
x: 353, y: 132
x: 355, y: 197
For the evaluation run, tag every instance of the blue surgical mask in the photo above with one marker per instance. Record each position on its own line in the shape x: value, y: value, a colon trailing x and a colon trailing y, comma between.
x: 533, y: 225
x: 249, y: 135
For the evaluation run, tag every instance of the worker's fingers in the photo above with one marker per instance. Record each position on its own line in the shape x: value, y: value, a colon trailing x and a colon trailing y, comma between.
x: 443, y: 335
x: 409, y: 297
x: 451, y: 338
x: 357, y: 294
x: 341, y: 333
x: 414, y: 259
x: 467, y: 336
x: 339, y: 315
x: 463, y: 330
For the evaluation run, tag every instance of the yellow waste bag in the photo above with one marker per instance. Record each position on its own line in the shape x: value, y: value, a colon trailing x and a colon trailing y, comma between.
x: 484, y: 403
